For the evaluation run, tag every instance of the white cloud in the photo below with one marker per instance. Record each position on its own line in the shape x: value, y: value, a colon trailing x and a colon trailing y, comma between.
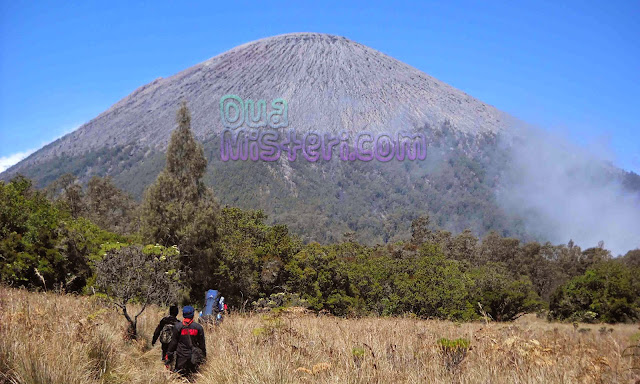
x: 12, y: 159
x: 8, y: 161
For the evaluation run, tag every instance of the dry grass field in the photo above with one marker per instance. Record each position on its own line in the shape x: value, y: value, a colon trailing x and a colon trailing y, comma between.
x: 64, y: 339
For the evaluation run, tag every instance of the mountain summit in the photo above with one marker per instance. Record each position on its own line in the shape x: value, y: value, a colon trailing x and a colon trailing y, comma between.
x: 330, y: 83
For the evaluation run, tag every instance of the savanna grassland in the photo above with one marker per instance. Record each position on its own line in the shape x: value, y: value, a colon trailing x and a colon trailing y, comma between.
x: 67, y: 339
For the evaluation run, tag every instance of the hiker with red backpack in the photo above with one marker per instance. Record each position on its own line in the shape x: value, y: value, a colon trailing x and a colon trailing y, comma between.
x: 164, y: 330
x: 187, y: 344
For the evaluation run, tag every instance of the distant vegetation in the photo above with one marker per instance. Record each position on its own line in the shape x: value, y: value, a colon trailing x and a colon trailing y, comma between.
x: 58, y: 239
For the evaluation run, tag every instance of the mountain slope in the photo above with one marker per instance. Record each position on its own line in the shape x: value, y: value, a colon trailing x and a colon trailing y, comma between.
x: 331, y: 84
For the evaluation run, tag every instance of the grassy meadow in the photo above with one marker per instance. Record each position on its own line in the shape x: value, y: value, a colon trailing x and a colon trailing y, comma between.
x: 67, y: 339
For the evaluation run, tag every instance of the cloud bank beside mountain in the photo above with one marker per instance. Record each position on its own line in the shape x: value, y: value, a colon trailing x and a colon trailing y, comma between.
x: 566, y: 192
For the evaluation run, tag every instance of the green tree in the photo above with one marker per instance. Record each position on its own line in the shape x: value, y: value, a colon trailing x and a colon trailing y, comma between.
x: 371, y: 275
x: 463, y: 247
x: 420, y: 231
x: 320, y: 276
x: 431, y: 286
x: 533, y: 261
x: 502, y: 296
x: 28, y: 237
x: 81, y: 242
x: 252, y: 254
x: 632, y: 258
x: 41, y: 244
x: 498, y: 249
x: 178, y: 209
x: 608, y: 292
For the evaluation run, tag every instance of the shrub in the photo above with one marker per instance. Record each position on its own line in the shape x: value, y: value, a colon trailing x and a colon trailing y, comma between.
x: 501, y: 296
x: 453, y: 351
x: 608, y: 290
x: 278, y: 300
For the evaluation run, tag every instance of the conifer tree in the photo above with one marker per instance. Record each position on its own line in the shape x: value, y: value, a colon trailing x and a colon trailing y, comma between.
x: 178, y: 209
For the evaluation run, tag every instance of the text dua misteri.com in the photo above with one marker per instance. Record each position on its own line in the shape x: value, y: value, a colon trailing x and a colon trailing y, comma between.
x: 259, y: 131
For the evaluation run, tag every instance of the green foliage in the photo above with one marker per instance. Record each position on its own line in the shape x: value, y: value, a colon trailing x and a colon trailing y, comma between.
x: 41, y: 244
x: 349, y: 278
x: 110, y: 207
x: 453, y: 351
x: 358, y: 352
x: 319, y: 274
x: 82, y: 242
x: 432, y: 286
x: 28, y: 236
x: 454, y: 344
x: 273, y: 328
x: 161, y: 252
x: 632, y: 258
x: 102, y: 202
x: 501, y: 295
x: 252, y: 255
x: 609, y: 290
x: 68, y: 194
x: 435, y: 275
x: 179, y: 210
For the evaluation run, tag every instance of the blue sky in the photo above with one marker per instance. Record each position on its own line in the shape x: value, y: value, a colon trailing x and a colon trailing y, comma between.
x: 570, y: 67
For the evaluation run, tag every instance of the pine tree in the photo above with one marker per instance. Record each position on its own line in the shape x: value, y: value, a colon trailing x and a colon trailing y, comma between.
x: 178, y: 209
x: 185, y: 156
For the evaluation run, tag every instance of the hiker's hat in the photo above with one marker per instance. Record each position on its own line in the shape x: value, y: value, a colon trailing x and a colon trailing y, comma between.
x: 187, y: 312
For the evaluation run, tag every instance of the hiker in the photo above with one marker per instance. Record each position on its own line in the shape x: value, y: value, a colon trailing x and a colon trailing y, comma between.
x: 222, y: 308
x: 213, y: 306
x: 187, y: 344
x: 164, y: 330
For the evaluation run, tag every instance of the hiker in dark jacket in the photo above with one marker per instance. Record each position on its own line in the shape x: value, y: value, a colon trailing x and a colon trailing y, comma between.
x: 168, y: 320
x: 187, y: 344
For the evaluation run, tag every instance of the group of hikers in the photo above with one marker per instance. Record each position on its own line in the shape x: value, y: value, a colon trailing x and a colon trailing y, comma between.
x: 183, y: 342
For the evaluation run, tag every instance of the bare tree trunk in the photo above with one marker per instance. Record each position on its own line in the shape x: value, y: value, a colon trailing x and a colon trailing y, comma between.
x: 132, y: 332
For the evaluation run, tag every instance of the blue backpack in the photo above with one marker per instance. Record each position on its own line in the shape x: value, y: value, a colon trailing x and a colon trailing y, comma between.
x: 211, y: 303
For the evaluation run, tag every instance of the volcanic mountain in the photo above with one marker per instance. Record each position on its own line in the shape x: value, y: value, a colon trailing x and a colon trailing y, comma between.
x: 331, y: 84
